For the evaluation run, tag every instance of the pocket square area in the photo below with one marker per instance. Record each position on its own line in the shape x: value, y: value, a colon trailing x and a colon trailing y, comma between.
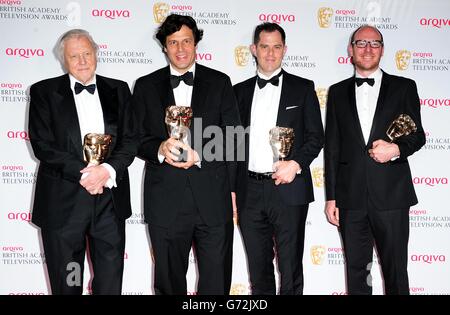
x: 291, y: 107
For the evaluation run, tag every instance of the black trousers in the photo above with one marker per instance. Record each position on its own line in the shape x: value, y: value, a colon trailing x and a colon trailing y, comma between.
x: 212, y: 246
x: 267, y: 223
x: 388, y: 230
x: 93, y: 227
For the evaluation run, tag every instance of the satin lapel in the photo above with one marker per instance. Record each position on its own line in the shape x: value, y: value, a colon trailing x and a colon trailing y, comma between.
x: 354, y: 111
x: 109, y: 101
x: 165, y: 90
x: 199, y: 92
x: 68, y: 113
x: 284, y: 97
x: 248, y: 99
x: 380, y: 104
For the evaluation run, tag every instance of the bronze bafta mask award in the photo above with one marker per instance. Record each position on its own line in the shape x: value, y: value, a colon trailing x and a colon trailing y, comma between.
x: 403, y: 125
x: 178, y: 120
x: 96, y: 147
x: 281, y: 140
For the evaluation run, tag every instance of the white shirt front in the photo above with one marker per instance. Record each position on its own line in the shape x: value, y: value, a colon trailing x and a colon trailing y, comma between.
x: 90, y: 119
x: 366, y: 101
x: 263, y: 117
x: 183, y: 92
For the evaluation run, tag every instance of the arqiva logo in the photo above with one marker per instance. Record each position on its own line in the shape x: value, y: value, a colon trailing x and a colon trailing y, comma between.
x: 203, y: 56
x: 429, y: 259
x: 111, y: 14
x: 276, y: 18
x: 345, y: 60
x: 430, y: 181
x: 11, y: 134
x: 25, y: 52
x: 439, y: 23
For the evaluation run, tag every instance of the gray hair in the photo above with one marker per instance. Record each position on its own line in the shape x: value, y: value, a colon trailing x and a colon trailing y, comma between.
x: 75, y: 33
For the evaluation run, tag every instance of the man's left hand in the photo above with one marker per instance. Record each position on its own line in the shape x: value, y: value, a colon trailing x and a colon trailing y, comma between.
x: 192, y: 158
x: 383, y: 151
x: 285, y: 171
x: 95, y: 180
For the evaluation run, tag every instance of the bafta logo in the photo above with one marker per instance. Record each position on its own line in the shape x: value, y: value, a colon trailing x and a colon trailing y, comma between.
x: 322, y: 95
x: 95, y: 147
x: 318, y: 254
x: 324, y: 16
x: 160, y: 12
x: 402, y: 58
x: 403, y: 125
x: 241, y: 55
x: 281, y: 140
x: 317, y: 176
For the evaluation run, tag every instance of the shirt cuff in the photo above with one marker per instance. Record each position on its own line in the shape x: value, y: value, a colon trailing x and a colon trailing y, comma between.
x: 160, y: 158
x: 395, y: 157
x: 111, y: 182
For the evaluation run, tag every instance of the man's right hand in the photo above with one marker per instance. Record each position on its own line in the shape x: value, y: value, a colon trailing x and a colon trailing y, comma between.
x: 332, y: 212
x: 170, y: 149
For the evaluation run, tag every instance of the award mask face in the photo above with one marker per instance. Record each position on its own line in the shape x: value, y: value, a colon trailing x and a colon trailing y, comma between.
x: 403, y: 125
x: 95, y: 147
x: 281, y: 140
x: 178, y: 120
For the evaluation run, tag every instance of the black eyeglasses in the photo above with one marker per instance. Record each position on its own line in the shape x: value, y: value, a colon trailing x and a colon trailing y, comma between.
x: 362, y: 43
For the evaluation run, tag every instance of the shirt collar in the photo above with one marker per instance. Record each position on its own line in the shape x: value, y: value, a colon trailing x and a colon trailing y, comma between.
x: 377, y: 75
x: 73, y: 81
x: 262, y: 76
x: 175, y: 72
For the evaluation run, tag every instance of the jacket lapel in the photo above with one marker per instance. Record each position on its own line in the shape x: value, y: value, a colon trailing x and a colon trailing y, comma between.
x: 109, y: 102
x: 247, y: 101
x: 354, y: 111
x: 380, y: 104
x: 68, y: 113
x: 165, y: 89
x: 284, y: 98
x: 199, y: 91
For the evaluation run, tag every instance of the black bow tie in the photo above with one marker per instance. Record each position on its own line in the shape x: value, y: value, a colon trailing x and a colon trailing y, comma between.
x: 360, y: 81
x: 274, y: 80
x: 187, y: 78
x: 80, y: 87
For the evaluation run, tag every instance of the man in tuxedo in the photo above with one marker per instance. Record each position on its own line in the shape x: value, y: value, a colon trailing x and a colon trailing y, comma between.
x: 368, y: 181
x: 187, y: 202
x: 273, y: 196
x: 77, y: 205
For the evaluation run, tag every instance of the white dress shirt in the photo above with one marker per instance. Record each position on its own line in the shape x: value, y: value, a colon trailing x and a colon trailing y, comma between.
x: 183, y: 92
x: 90, y: 118
x: 366, y: 101
x: 263, y: 117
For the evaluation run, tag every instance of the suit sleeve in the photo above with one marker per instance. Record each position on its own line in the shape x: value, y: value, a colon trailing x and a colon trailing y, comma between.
x: 415, y: 140
x: 43, y: 140
x: 147, y: 119
x: 332, y: 145
x: 313, y: 130
x: 126, y: 147
x: 230, y: 118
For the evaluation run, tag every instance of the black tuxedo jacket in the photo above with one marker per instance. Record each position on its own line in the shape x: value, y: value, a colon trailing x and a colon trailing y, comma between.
x: 56, y: 141
x: 351, y: 174
x: 214, y: 103
x: 299, y: 109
